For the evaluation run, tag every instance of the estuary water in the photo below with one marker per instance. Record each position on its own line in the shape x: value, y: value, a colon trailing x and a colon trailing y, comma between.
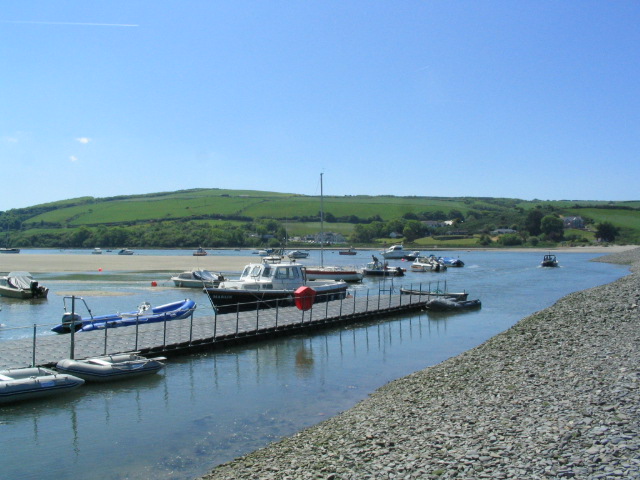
x: 205, y: 409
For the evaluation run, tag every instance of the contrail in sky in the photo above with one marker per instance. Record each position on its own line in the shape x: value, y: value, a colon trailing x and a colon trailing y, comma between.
x: 71, y: 23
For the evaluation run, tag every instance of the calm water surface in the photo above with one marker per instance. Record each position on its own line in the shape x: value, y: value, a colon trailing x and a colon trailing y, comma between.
x: 206, y: 409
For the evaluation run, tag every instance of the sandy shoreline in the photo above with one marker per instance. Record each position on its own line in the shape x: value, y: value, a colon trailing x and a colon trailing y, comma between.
x: 134, y: 263
x: 46, y: 263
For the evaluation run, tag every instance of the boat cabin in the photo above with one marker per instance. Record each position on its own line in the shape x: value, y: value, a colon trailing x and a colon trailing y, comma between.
x: 272, y: 276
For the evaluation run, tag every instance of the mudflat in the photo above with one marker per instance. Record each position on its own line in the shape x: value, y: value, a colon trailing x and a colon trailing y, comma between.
x: 35, y: 263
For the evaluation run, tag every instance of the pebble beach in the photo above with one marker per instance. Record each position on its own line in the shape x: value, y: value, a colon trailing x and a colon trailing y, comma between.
x: 555, y: 396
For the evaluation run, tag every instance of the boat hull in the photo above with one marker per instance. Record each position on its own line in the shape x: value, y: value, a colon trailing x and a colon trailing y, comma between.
x: 23, y: 293
x: 168, y: 312
x: 110, y: 368
x: 325, y: 273
x: 21, y: 384
x: 227, y: 300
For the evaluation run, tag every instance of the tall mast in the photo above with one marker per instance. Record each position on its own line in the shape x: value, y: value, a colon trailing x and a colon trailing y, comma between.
x: 321, y: 223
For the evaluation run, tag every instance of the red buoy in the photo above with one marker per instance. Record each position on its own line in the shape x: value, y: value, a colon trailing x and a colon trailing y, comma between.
x: 304, y: 297
x: 154, y: 284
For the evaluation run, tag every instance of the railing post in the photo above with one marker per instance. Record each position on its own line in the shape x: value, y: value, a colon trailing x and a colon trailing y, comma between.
x: 355, y: 293
x: 277, y: 312
x: 326, y: 310
x: 33, y: 355
x: 191, y: 327
x: 105, y: 337
x: 164, y: 333
x: 137, y: 332
x: 390, y: 295
x: 215, y: 324
x: 237, y: 317
x: 258, y: 315
x: 366, y: 307
x: 340, y: 312
x: 72, y: 326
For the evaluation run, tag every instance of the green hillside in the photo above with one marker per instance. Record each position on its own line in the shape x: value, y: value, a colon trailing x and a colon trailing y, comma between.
x: 219, y: 217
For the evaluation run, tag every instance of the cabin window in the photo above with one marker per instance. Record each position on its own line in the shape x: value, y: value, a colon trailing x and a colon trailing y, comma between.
x: 245, y: 272
x: 267, y: 271
x: 283, y: 273
x: 255, y: 272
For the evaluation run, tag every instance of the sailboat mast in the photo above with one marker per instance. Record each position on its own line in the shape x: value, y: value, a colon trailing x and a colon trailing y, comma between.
x: 321, y: 223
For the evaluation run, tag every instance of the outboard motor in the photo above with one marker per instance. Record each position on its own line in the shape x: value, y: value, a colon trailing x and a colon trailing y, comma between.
x: 68, y: 319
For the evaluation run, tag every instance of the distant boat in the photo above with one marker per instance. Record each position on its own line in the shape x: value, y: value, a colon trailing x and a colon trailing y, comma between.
x: 297, y: 254
x: 9, y: 250
x: 197, y: 278
x: 451, y: 261
x: 549, y: 260
x: 394, y: 252
x: 428, y: 264
x: 125, y: 251
x: 348, y: 251
x: 97, y: 251
x: 200, y: 252
x: 381, y: 269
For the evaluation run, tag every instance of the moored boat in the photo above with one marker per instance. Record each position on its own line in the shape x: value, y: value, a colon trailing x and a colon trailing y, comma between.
x: 266, y: 285
x: 111, y: 367
x: 446, y: 304
x: 434, y: 293
x: 200, y: 252
x: 427, y: 264
x: 376, y: 268
x: 394, y: 252
x: 125, y: 251
x: 9, y: 250
x: 96, y: 251
x: 348, y: 251
x: 451, y: 261
x: 297, y: 254
x: 18, y: 384
x: 197, y: 278
x: 334, y: 273
x: 144, y: 314
x: 21, y: 285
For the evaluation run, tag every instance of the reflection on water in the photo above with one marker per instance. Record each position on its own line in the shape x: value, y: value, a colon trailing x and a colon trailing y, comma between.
x: 206, y: 409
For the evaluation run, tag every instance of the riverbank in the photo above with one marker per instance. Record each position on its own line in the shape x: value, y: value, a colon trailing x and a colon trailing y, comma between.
x: 555, y: 396
x: 111, y: 262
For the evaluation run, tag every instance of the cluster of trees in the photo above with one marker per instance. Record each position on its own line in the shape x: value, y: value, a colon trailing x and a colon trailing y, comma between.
x: 541, y: 224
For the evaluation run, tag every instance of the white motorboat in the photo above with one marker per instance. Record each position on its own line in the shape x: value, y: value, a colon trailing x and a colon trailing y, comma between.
x: 394, y: 252
x: 200, y: 252
x: 9, y: 250
x: 125, y: 251
x: 111, y: 367
x: 297, y: 254
x: 21, y: 285
x: 197, y: 278
x: 18, y: 384
x: 266, y: 285
x: 428, y: 264
x: 96, y: 251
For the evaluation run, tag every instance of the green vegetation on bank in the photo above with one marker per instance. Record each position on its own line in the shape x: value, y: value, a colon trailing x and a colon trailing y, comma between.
x: 235, y: 218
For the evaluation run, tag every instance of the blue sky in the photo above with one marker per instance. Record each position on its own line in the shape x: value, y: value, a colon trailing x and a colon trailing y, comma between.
x: 526, y: 99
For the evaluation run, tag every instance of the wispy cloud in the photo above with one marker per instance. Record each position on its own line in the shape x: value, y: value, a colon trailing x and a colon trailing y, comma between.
x: 10, y: 139
x: 73, y: 158
x: 82, y: 24
x: 83, y: 140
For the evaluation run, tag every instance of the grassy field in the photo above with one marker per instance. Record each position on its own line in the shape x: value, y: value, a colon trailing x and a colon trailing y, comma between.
x: 297, y: 213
